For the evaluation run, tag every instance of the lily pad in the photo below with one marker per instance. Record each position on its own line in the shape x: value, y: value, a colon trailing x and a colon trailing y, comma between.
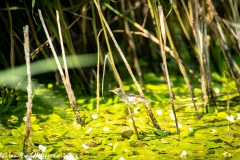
x: 161, y: 133
x: 127, y: 134
x: 118, y: 147
x: 16, y: 133
x: 222, y: 115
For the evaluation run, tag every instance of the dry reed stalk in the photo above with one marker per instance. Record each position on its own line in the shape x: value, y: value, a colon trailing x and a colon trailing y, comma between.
x: 161, y: 32
x: 28, y: 141
x: 65, y: 79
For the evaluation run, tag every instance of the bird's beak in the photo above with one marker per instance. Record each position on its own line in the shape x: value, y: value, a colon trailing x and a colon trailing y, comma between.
x: 111, y: 91
x: 114, y: 91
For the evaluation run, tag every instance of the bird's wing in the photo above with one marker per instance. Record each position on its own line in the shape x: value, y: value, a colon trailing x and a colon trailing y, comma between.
x: 130, y: 94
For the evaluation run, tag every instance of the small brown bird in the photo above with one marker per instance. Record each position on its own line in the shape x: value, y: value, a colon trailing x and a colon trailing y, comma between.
x: 129, y: 98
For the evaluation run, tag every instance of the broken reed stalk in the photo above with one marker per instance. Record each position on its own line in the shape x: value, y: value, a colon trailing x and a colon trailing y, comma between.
x: 197, y: 29
x: 206, y: 43
x: 62, y: 49
x: 149, y: 111
x: 28, y: 143
x: 175, y: 55
x: 66, y: 82
x: 158, y: 17
x: 84, y: 82
x: 65, y: 78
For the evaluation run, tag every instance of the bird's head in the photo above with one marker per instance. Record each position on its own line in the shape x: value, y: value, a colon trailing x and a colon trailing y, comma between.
x: 117, y: 91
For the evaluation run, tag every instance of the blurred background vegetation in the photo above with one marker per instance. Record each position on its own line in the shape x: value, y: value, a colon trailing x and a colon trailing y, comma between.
x: 81, y: 24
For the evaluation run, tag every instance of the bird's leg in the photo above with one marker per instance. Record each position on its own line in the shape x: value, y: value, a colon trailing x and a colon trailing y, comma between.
x: 134, y: 109
x: 133, y: 122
